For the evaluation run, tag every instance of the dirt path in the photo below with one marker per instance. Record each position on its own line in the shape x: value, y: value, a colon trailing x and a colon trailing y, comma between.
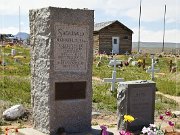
x: 175, y: 98
x: 97, y: 79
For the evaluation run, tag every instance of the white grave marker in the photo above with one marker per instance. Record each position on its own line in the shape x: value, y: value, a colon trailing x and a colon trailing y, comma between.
x: 13, y: 52
x: 152, y: 70
x: 113, y: 80
x: 127, y: 53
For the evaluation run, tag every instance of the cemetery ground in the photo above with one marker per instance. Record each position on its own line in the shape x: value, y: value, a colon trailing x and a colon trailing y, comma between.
x: 15, y: 85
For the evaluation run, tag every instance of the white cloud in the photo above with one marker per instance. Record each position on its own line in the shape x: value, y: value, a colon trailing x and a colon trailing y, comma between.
x: 172, y: 35
x: 152, y: 11
x: 12, y: 7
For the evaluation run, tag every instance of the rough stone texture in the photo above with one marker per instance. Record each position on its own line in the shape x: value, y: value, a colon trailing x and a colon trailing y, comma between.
x: 136, y: 98
x: 47, y: 51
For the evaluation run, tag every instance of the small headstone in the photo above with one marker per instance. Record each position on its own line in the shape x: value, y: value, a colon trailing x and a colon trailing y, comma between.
x: 14, y: 112
x: 136, y: 98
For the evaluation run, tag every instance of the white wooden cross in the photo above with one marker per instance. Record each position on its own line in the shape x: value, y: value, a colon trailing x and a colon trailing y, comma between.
x: 113, y: 80
x: 112, y: 53
x: 152, y: 70
x: 127, y: 53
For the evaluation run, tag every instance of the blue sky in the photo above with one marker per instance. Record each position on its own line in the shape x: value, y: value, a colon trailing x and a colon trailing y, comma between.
x: 105, y: 10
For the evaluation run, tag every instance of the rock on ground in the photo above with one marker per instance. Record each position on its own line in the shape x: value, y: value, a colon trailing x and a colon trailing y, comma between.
x: 14, y: 112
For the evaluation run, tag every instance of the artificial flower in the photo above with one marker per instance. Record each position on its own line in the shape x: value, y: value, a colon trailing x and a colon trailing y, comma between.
x: 104, y: 130
x: 146, y: 130
x: 128, y: 118
x: 161, y: 117
x: 151, y: 133
x: 171, y: 123
x: 152, y: 125
x: 168, y: 113
x: 123, y: 132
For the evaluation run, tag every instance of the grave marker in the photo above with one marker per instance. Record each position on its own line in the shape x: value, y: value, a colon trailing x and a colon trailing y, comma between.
x: 127, y: 53
x: 113, y: 80
x: 13, y: 52
x: 136, y: 98
x: 152, y: 70
x: 61, y: 65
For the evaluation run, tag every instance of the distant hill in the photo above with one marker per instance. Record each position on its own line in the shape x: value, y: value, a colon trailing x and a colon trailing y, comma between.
x: 22, y: 35
x: 155, y: 45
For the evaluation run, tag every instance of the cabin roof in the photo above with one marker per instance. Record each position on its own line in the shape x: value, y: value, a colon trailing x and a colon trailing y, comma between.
x: 102, y: 25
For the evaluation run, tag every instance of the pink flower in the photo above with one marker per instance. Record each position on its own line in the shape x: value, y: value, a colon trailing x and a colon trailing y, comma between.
x: 122, y: 132
x: 168, y: 113
x: 104, y: 130
x: 171, y: 123
x: 161, y: 117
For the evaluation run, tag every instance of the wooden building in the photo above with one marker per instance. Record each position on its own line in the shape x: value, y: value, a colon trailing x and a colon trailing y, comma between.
x: 112, y: 36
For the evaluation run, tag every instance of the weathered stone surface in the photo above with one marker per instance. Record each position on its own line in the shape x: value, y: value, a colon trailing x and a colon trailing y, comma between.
x: 62, y: 48
x: 136, y: 98
x: 14, y: 112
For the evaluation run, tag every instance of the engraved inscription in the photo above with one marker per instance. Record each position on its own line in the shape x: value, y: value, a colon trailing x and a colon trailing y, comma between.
x: 70, y: 50
x: 141, y: 103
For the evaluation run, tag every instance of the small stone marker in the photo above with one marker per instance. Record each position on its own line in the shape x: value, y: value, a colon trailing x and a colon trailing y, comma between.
x: 13, y: 52
x: 136, y: 98
x: 152, y: 70
x: 61, y: 64
x: 113, y: 80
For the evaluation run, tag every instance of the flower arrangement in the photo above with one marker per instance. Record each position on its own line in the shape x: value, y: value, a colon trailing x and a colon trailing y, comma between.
x: 151, y: 130
x: 127, y: 118
x: 154, y: 130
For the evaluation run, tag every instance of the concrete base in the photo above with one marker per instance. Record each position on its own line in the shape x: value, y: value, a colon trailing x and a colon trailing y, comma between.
x: 95, y: 131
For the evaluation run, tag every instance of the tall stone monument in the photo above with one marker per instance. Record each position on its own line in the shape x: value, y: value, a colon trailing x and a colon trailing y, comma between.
x: 62, y: 54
